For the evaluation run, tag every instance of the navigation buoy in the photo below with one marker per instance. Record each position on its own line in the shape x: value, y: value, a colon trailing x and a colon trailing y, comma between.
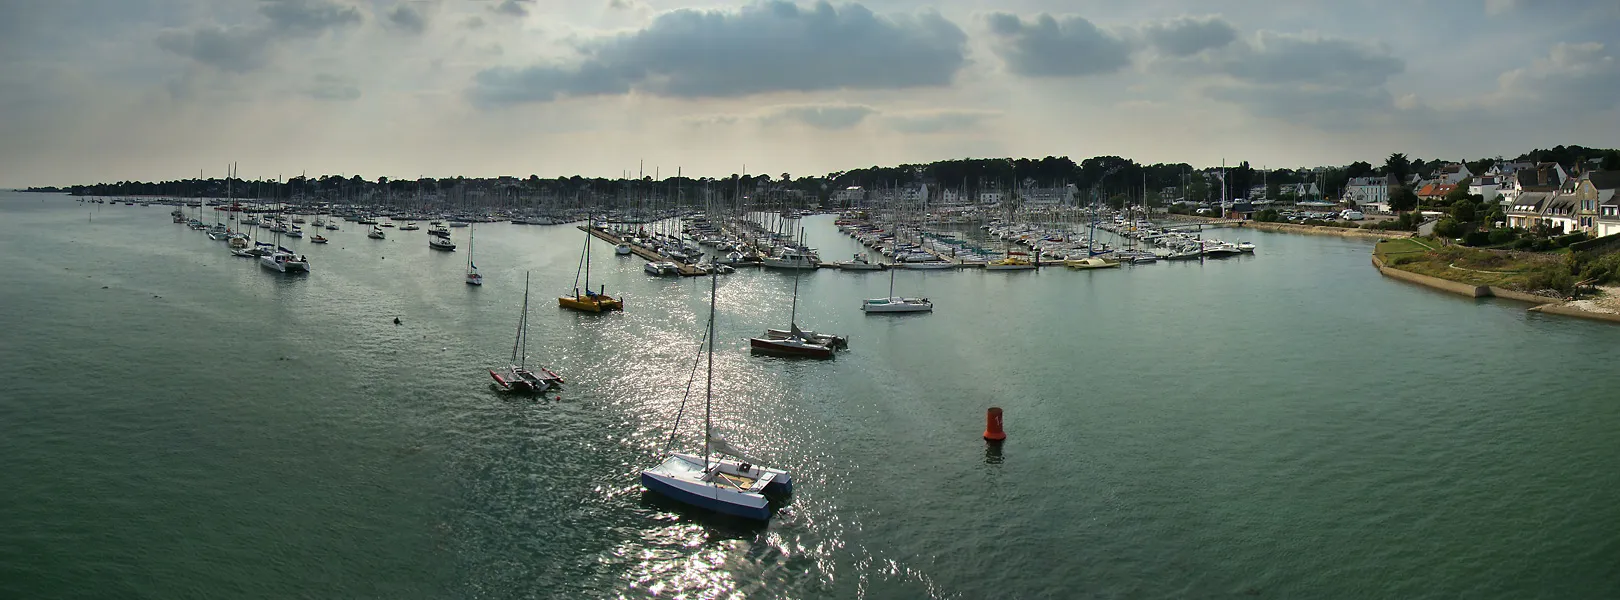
x: 992, y: 425
x: 396, y: 320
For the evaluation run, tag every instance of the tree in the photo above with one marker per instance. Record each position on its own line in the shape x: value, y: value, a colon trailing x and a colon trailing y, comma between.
x: 1448, y: 228
x: 1273, y: 190
x: 1398, y: 166
x: 1611, y: 160
x: 1459, y: 193
x: 1402, y: 198
x: 1463, y: 211
x: 1197, y: 187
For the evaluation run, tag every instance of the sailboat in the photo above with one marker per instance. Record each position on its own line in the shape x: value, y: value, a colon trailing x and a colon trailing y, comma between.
x: 588, y: 300
x: 724, y: 485
x: 473, y: 278
x: 896, y: 304
x: 794, y: 341
x: 518, y: 377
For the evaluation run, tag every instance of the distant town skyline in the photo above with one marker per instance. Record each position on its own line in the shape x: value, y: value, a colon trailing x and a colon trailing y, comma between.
x: 104, y: 90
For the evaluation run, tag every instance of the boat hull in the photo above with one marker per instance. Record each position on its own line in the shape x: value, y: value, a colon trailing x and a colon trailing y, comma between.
x: 790, y: 348
x: 745, y: 505
x: 593, y: 303
x: 896, y: 305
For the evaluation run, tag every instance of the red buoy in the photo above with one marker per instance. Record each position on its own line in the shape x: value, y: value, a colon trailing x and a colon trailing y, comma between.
x: 992, y: 425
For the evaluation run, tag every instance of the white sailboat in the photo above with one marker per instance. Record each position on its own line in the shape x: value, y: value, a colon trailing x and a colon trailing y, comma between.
x: 708, y: 480
x: 473, y: 278
x: 896, y: 304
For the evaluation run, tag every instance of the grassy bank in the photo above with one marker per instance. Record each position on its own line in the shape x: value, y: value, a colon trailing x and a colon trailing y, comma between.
x: 1520, y: 271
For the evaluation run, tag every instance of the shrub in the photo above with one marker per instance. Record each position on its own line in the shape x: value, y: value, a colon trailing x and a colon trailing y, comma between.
x: 1449, y: 228
x: 1404, y: 259
x: 1502, y: 236
x: 1542, y: 245
x: 1478, y: 238
x: 1565, y: 240
x: 1551, y: 277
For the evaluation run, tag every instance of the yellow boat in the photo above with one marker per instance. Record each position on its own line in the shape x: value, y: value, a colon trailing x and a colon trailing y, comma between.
x: 585, y: 300
x: 1010, y: 263
x: 590, y: 302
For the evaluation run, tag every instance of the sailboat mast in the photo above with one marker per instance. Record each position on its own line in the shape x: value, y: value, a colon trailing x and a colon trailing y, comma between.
x: 523, y: 324
x: 708, y: 380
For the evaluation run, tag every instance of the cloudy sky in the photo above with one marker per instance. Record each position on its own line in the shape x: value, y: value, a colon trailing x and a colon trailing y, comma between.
x: 103, y: 90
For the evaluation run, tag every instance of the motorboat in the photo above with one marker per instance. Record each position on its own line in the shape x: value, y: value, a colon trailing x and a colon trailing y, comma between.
x: 376, y: 233
x: 860, y: 262
x: 662, y: 268
x: 331, y: 226
x: 318, y: 239
x: 284, y: 261
x: 1246, y: 247
x: 790, y: 259
x: 1090, y: 263
x: 409, y: 227
x: 930, y: 265
x: 622, y: 249
x: 441, y: 243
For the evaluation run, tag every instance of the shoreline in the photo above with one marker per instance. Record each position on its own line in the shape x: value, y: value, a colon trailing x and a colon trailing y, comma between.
x: 1350, y: 232
x: 1541, y: 304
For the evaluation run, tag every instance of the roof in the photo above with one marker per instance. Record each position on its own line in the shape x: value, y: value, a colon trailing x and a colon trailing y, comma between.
x: 1529, y: 202
x: 1437, y: 189
x: 1542, y: 179
x: 1605, y: 180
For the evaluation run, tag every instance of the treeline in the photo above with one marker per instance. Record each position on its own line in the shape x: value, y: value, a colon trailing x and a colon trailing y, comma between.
x: 1113, y: 178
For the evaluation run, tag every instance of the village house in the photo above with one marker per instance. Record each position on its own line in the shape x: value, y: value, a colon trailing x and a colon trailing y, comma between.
x: 1602, y: 186
x: 1050, y: 196
x: 1484, y: 186
x: 1525, y: 212
x: 1452, y: 173
x: 1559, y: 212
x: 851, y: 196
x: 1431, y: 194
x: 1543, y: 177
x: 1370, y: 194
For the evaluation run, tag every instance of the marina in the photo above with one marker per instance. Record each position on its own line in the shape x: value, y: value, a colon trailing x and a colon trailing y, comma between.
x: 1236, y: 416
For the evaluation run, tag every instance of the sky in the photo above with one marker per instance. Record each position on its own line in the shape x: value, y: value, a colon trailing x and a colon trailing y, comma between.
x: 110, y: 90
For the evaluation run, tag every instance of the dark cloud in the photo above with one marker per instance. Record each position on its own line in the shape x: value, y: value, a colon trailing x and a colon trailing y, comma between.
x: 514, y: 8
x: 823, y: 116
x: 937, y: 121
x: 1053, y: 47
x: 241, y: 48
x: 1291, y: 58
x: 332, y: 87
x: 308, y: 17
x: 235, y: 49
x: 407, y: 18
x: 1186, y: 36
x: 763, y: 47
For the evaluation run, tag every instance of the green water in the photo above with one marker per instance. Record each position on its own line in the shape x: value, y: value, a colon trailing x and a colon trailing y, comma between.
x: 180, y: 423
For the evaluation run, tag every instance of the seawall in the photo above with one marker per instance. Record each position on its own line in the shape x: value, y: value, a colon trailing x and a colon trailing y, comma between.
x: 1374, y: 234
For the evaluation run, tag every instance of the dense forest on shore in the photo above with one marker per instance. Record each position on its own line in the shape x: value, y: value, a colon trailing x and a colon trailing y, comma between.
x: 1111, y: 177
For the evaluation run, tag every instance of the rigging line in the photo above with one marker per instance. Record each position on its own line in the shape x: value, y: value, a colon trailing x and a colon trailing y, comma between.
x: 690, y: 379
